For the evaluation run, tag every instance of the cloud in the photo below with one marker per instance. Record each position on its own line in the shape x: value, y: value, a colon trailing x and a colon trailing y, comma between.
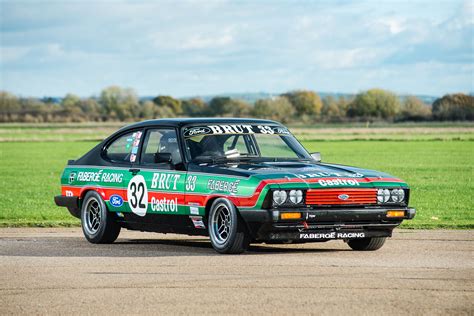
x: 189, y: 47
x: 208, y: 41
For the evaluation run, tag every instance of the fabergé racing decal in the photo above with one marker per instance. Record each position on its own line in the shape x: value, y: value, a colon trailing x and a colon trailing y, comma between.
x: 332, y: 235
x: 99, y: 176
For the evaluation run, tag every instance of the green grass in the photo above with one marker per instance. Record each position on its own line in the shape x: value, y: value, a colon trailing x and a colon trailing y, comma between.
x: 328, y: 132
x: 440, y: 174
x: 29, y: 178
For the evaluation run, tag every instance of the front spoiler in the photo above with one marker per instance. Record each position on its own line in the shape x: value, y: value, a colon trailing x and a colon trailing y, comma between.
x: 324, y: 224
x: 329, y: 232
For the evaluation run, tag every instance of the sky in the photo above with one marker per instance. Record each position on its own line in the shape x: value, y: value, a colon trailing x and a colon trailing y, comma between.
x: 186, y: 48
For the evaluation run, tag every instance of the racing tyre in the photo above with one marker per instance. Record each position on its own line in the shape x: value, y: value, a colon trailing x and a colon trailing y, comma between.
x: 98, y: 225
x: 227, y: 230
x: 367, y: 244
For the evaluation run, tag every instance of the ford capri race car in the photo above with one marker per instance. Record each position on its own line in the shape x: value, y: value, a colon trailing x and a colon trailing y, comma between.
x: 238, y: 181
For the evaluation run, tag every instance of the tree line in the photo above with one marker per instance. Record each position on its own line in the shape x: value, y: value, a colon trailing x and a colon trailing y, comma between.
x: 123, y: 104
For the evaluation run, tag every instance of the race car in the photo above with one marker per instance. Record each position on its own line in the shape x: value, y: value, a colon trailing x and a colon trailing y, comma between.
x: 238, y: 181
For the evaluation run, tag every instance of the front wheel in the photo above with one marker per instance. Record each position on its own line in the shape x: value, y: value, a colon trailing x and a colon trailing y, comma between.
x: 99, y: 225
x: 367, y: 244
x: 227, y: 230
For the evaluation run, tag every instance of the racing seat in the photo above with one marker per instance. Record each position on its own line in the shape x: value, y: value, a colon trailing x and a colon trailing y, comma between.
x: 169, y: 144
x: 212, y: 146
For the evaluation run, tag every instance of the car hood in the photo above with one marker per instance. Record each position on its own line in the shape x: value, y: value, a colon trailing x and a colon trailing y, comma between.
x: 304, y: 172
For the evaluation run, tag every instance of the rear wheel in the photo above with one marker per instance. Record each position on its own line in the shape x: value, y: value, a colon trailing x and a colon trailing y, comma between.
x: 367, y: 244
x: 227, y: 230
x: 98, y: 225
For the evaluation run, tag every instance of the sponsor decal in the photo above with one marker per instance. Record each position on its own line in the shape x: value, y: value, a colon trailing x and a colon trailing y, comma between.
x: 223, y: 186
x: 343, y: 197
x: 330, y: 174
x: 335, y: 182
x: 99, y: 176
x: 281, y: 130
x: 164, y: 205
x: 350, y: 235
x: 198, y: 222
x: 72, y: 177
x: 112, y: 177
x: 332, y: 235
x: 137, y: 195
x: 235, y: 129
x: 69, y: 193
x: 194, y: 210
x: 232, y: 129
x: 135, y: 143
x: 191, y: 183
x: 116, y: 200
x: 196, y: 131
x: 164, y: 181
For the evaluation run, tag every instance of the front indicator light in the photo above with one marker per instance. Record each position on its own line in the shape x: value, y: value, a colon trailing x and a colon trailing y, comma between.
x: 293, y: 215
x: 395, y: 213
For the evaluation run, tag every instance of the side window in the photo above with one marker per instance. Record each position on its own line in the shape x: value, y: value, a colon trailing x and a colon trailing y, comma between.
x: 124, y: 148
x: 159, y: 141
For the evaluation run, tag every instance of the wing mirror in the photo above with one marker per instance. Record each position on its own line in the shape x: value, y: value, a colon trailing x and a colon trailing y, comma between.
x: 316, y: 156
x: 163, y: 158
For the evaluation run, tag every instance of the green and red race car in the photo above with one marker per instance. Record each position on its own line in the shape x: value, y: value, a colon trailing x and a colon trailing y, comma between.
x: 238, y: 181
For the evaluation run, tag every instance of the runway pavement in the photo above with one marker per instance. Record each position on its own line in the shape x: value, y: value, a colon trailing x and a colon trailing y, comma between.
x: 56, y: 271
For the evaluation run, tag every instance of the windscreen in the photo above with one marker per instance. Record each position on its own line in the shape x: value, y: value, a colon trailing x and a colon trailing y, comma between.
x: 242, y: 141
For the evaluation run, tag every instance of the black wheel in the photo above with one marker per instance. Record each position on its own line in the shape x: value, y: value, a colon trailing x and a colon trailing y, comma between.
x: 367, y: 244
x: 226, y: 229
x: 98, y: 225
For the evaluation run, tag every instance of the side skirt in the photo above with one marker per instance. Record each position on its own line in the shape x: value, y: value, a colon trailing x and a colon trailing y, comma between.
x: 165, y: 223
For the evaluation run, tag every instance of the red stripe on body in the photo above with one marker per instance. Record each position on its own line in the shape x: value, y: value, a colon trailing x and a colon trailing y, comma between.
x: 202, y: 199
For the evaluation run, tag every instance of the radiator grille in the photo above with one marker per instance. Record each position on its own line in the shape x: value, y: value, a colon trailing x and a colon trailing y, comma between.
x: 336, y: 196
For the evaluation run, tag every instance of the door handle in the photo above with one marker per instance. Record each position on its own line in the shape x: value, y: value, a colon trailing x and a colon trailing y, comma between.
x: 134, y: 170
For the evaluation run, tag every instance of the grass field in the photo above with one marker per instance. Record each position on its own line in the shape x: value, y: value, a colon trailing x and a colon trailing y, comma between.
x: 440, y: 173
x: 331, y: 132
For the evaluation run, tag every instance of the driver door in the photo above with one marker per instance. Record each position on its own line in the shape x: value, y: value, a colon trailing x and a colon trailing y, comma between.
x: 156, y: 187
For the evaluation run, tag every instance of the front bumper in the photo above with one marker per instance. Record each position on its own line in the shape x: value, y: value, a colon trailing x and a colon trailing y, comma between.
x: 324, y: 224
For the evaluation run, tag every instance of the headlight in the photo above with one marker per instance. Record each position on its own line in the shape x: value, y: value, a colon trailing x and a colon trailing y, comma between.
x: 390, y: 196
x: 279, y: 197
x: 296, y: 196
x: 398, y: 195
x: 383, y: 195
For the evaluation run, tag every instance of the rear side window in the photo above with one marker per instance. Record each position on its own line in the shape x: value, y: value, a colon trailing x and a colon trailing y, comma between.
x: 124, y: 148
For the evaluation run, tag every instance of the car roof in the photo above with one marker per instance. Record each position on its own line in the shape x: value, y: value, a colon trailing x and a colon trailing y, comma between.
x: 178, y: 122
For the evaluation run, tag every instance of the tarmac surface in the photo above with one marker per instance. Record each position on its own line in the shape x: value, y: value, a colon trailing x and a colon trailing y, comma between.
x: 56, y: 271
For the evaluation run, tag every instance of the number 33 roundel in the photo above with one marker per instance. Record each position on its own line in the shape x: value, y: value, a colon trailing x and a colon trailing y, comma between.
x: 137, y: 195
